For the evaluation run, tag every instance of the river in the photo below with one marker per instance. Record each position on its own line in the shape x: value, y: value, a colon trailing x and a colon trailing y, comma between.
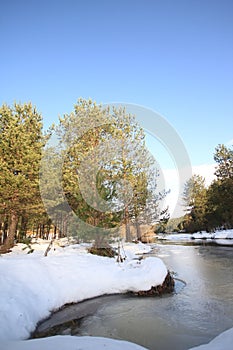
x: 200, y: 309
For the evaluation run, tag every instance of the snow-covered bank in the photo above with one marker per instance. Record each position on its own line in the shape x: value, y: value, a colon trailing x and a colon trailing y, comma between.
x: 32, y: 285
x: 225, y: 234
x: 70, y: 343
x: 174, y: 236
x: 224, y: 237
x: 224, y: 341
x: 221, y: 342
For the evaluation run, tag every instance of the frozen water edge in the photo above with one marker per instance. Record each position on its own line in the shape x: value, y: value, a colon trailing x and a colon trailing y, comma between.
x: 32, y: 286
x: 221, y: 342
x: 223, y: 237
x: 71, y: 343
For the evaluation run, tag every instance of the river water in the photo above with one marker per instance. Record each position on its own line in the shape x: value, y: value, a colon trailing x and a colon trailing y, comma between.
x: 200, y: 309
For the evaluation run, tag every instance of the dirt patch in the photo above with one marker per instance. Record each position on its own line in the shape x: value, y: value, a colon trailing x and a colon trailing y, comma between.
x: 167, y: 287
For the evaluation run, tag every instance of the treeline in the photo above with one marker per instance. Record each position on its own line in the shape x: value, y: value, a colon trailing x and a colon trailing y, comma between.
x: 211, y: 208
x: 96, y: 174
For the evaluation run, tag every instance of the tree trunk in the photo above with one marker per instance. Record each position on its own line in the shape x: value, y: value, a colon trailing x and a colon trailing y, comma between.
x: 138, y: 229
x: 23, y: 228
x: 38, y: 231
x: 9, y: 242
x: 49, y: 247
x: 55, y: 232
x: 128, y: 237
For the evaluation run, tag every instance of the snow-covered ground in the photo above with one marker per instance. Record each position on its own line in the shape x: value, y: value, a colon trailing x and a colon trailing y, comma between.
x: 221, y: 342
x: 32, y: 286
x: 174, y: 236
x: 224, y: 341
x: 70, y: 343
x: 223, y: 237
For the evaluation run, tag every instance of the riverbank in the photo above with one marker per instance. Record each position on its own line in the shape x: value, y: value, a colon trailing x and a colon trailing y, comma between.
x: 220, y: 237
x: 32, y: 286
x: 221, y: 342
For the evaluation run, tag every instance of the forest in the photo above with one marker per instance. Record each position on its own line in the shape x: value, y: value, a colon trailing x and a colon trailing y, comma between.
x: 95, y: 176
x: 85, y: 177
x: 210, y: 208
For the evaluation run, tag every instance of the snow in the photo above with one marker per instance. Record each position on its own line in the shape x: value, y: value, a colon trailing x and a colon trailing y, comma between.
x: 32, y: 286
x: 174, y: 236
x: 221, y: 342
x: 70, y: 343
x: 224, y: 234
x: 132, y: 250
x: 221, y: 237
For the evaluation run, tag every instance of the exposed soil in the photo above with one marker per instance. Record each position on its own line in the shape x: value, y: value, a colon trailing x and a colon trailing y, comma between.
x: 167, y: 287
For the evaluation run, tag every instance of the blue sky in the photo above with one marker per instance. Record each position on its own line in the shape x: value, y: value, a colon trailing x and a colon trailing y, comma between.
x: 174, y: 57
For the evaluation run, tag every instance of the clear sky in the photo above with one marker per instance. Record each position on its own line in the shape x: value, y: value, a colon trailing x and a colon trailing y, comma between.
x: 172, y: 56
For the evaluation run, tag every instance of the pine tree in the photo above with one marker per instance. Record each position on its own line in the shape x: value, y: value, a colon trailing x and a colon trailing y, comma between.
x: 224, y: 158
x: 195, y: 200
x: 135, y: 167
x: 220, y: 193
x: 21, y: 141
x: 104, y: 168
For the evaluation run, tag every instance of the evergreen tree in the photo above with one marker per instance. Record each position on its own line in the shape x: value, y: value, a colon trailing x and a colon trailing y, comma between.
x: 195, y: 200
x: 224, y: 158
x: 105, y: 167
x: 51, y: 191
x: 220, y: 193
x: 135, y: 167
x: 220, y: 210
x: 21, y: 141
x: 211, y: 208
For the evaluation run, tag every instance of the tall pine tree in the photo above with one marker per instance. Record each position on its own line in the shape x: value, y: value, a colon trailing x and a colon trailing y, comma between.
x: 21, y: 141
